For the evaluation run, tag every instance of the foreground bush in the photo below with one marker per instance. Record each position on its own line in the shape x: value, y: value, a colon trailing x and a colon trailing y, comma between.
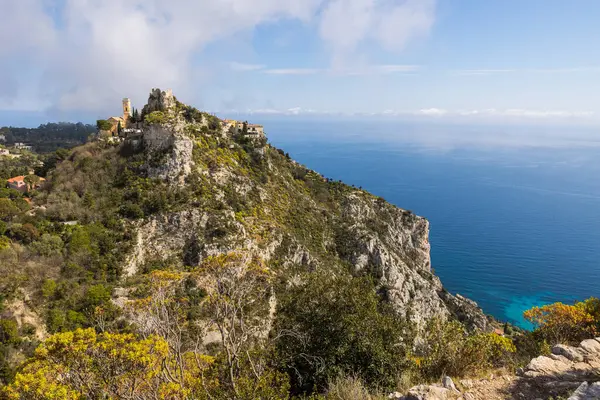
x: 336, y: 326
x: 82, y: 364
x: 447, y: 349
x: 563, y: 323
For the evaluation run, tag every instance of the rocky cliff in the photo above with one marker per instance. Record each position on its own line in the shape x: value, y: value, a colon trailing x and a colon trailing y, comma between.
x: 249, y: 197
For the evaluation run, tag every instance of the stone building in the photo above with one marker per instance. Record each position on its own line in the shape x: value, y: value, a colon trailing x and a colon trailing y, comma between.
x: 123, y: 120
x: 238, y: 127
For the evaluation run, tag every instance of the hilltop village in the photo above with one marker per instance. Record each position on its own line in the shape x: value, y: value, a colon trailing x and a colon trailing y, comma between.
x: 131, y: 121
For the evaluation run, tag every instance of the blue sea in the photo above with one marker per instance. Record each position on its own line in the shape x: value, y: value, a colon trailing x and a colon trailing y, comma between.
x: 514, y: 211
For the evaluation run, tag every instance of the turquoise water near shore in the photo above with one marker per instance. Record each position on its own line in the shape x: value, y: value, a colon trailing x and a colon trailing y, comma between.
x: 514, y: 212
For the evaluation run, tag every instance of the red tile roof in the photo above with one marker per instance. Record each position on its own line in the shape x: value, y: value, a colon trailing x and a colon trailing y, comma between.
x: 16, y: 179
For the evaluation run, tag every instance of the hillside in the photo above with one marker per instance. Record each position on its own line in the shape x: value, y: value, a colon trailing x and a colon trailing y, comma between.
x: 49, y: 137
x: 224, y: 258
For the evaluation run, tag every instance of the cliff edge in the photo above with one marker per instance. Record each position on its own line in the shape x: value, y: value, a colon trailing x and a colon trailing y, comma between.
x: 246, y: 196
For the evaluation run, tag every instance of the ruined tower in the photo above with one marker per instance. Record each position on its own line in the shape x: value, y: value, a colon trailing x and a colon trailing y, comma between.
x: 126, y: 110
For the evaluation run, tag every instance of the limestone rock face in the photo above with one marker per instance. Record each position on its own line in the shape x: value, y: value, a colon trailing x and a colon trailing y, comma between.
x: 175, y: 152
x: 570, y: 364
x: 424, y: 392
x: 587, y: 392
x: 353, y: 228
x: 572, y: 353
x: 393, y: 244
x: 159, y: 100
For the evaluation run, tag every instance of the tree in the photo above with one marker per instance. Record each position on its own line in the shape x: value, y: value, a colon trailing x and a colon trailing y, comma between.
x: 563, y: 323
x: 238, y: 305
x: 82, y: 364
x: 135, y: 116
x: 32, y: 181
x: 103, y: 125
x: 336, y: 325
x: 245, y: 128
x: 7, y: 209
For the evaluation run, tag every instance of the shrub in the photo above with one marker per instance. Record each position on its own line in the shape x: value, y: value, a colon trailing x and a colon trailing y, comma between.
x: 86, y: 362
x: 131, y: 210
x: 48, y: 245
x: 96, y: 295
x: 156, y: 117
x: 334, y: 326
x: 9, y: 332
x: 7, y: 209
x: 4, y: 242
x: 25, y: 233
x: 103, y: 125
x: 346, y: 388
x: 447, y: 349
x: 49, y: 288
x: 563, y: 323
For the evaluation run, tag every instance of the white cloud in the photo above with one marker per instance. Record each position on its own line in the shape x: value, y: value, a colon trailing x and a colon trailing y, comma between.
x: 434, y: 112
x: 364, y: 70
x: 292, y: 71
x: 241, y: 67
x: 483, y: 71
x: 376, y: 70
x: 482, y: 114
x: 101, y: 50
x: 527, y: 71
x: 348, y: 24
x: 506, y: 113
x: 86, y: 54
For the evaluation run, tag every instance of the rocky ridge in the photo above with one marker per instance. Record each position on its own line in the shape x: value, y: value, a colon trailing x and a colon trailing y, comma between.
x: 351, y: 227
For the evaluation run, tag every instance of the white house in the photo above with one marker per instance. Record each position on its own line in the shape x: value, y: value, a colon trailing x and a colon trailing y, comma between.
x: 22, y: 146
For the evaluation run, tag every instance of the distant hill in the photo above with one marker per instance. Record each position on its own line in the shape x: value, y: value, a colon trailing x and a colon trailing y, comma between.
x: 49, y: 137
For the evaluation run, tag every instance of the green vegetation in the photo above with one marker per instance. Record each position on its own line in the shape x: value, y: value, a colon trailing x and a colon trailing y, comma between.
x: 156, y: 117
x: 214, y: 320
x: 563, y: 323
x: 49, y: 137
x: 103, y: 125
x: 337, y: 326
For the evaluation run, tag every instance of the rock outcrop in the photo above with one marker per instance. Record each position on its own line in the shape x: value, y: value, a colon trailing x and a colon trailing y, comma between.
x: 573, y: 371
x: 159, y: 100
x: 567, y: 367
x: 291, y: 216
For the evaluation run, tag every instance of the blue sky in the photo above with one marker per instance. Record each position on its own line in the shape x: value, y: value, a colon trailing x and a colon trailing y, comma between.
x: 467, y: 60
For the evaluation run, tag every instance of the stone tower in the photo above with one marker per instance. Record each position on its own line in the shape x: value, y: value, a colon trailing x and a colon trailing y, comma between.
x: 126, y: 110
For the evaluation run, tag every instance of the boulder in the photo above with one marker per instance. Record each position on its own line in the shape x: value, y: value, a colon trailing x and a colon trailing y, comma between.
x: 449, y: 384
x: 587, y: 392
x: 591, y: 346
x: 546, y: 366
x: 569, y: 352
x: 425, y: 392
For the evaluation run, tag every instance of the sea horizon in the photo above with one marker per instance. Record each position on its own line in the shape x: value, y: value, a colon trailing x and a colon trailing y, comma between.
x: 513, y: 218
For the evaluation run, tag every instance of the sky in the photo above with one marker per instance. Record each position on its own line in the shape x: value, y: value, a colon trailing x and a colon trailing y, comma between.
x: 531, y: 61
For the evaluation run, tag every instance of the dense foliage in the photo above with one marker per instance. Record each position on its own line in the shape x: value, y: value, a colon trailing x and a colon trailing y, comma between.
x: 336, y: 326
x: 564, y: 323
x: 49, y: 137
